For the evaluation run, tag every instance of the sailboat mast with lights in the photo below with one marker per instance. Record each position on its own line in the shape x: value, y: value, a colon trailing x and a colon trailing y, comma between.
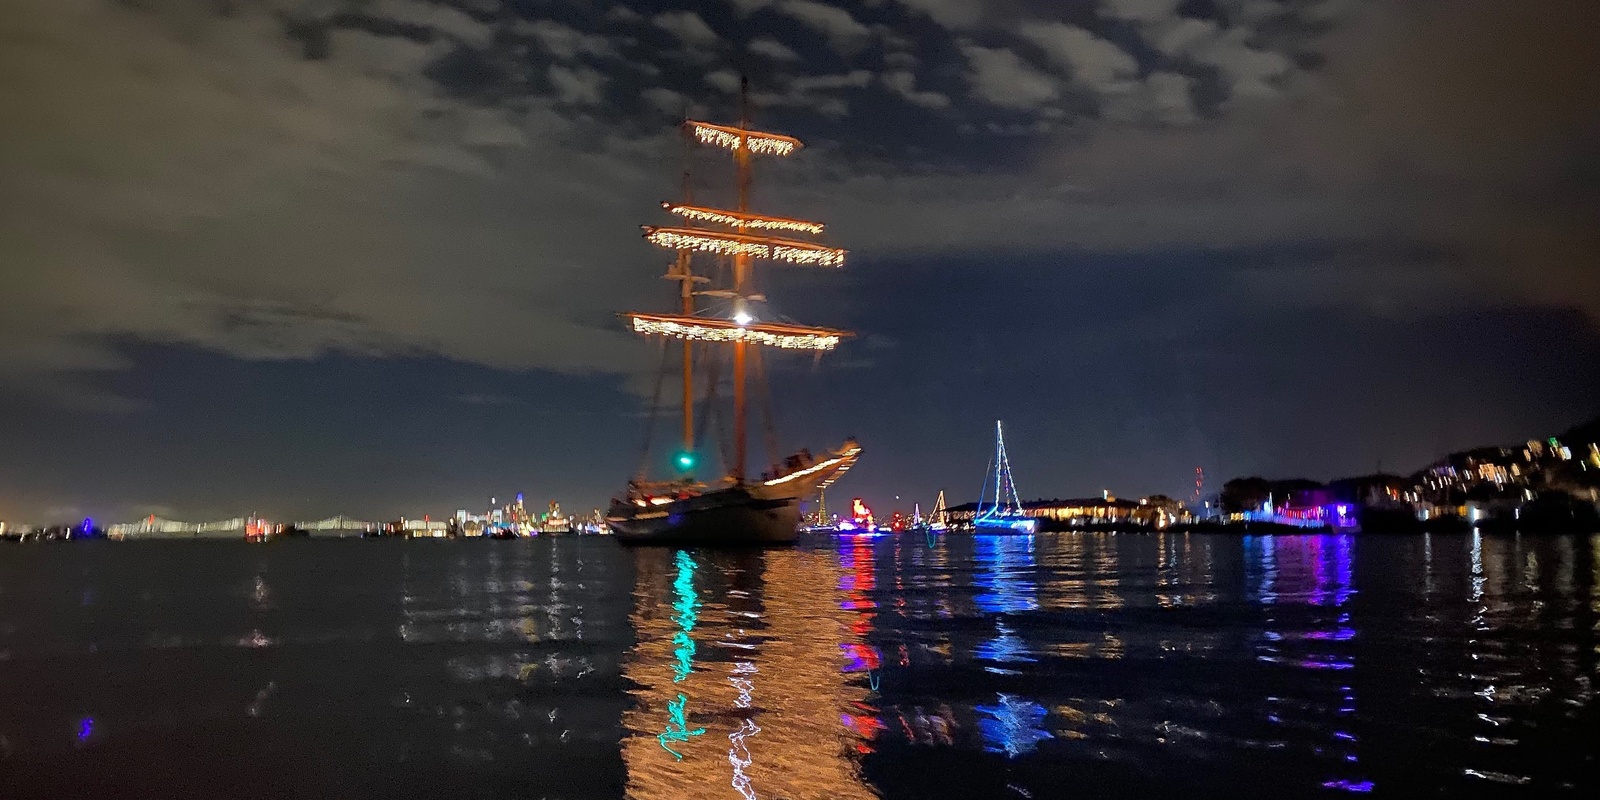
x: 736, y: 509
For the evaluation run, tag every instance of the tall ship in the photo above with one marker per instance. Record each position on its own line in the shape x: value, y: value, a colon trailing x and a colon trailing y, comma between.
x: 735, y: 325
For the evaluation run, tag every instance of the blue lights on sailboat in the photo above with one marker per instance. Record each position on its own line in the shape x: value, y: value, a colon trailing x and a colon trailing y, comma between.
x: 1005, y: 514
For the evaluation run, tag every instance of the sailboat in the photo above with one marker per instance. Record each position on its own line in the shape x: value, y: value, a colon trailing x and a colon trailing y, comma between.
x: 939, y: 518
x: 1005, y: 514
x: 736, y: 509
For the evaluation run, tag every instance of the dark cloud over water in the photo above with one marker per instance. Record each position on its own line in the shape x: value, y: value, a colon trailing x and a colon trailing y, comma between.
x: 1254, y: 236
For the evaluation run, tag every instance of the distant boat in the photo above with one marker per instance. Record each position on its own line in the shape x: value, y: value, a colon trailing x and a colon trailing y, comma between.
x: 937, y: 520
x: 1005, y: 514
x: 735, y: 510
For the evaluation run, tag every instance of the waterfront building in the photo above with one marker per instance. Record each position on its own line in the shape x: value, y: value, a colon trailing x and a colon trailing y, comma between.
x: 339, y: 526
x: 1090, y: 512
x: 153, y: 527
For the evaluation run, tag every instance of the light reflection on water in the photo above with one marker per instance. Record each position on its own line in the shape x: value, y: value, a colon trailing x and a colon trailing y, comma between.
x: 951, y: 667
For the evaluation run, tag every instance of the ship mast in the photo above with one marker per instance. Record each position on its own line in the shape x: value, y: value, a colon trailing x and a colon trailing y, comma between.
x: 684, y: 274
x: 741, y: 273
x: 745, y: 236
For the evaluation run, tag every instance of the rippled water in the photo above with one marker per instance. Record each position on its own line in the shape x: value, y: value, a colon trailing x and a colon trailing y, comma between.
x: 1062, y: 665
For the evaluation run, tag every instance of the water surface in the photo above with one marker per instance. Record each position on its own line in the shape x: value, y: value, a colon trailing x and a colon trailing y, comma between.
x: 1060, y: 665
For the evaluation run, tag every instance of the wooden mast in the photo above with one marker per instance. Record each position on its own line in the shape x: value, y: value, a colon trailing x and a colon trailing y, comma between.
x: 745, y: 237
x: 741, y: 276
x: 686, y: 281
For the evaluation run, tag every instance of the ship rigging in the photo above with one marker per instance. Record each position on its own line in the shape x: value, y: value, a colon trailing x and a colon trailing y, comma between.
x: 736, y: 509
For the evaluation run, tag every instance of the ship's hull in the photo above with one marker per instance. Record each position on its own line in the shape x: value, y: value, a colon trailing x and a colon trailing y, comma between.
x: 1005, y: 525
x: 764, y: 514
x: 725, y: 517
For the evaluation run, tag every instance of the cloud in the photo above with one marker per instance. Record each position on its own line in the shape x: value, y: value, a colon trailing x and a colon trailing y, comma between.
x: 259, y: 204
x: 745, y: 8
x: 1248, y: 72
x: 665, y: 100
x: 1253, y: 12
x: 624, y: 14
x: 772, y: 49
x: 1000, y: 77
x: 954, y: 14
x: 563, y: 42
x: 724, y: 80
x: 192, y: 179
x: 1178, y: 35
x: 905, y: 84
x: 844, y: 32
x: 579, y: 86
x: 900, y: 61
x: 437, y: 17
x: 1139, y: 10
x: 688, y: 27
x: 855, y: 79
x: 813, y: 92
x: 1165, y: 98
x: 1093, y: 62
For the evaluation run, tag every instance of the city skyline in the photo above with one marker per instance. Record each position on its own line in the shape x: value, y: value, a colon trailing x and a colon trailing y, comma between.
x: 313, y: 258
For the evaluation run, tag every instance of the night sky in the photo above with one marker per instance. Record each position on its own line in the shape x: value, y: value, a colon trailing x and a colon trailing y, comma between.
x: 307, y: 257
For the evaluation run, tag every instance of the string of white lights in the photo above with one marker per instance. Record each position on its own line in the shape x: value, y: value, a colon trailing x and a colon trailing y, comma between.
x: 738, y: 219
x: 733, y: 244
x: 723, y: 333
x: 765, y: 144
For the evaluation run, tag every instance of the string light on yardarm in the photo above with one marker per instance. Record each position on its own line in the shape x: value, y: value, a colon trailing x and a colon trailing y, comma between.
x: 763, y: 144
x: 719, y: 333
x: 739, y: 219
x: 733, y: 244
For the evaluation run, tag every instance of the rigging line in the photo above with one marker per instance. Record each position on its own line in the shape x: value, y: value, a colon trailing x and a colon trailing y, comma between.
x: 1003, y: 475
x: 712, y: 419
x: 764, y: 395
x: 655, y: 409
x: 983, y: 494
x: 1011, y: 481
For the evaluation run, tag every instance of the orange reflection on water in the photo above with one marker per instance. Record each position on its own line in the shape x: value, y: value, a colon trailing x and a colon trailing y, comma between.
x: 765, y: 707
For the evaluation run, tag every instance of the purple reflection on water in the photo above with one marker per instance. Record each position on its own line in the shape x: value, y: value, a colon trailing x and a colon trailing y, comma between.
x: 1348, y: 786
x: 1340, y: 635
x: 1312, y: 663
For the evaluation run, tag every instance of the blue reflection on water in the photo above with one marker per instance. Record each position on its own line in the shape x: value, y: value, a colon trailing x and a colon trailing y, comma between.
x: 1014, y: 726
x: 677, y: 726
x: 1005, y: 574
x: 1005, y: 646
x: 685, y: 605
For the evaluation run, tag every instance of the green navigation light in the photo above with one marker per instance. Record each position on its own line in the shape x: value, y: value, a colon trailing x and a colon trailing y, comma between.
x: 685, y: 460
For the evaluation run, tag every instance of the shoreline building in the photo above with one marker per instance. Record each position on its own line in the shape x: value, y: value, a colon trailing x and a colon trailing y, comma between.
x: 1088, y: 513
